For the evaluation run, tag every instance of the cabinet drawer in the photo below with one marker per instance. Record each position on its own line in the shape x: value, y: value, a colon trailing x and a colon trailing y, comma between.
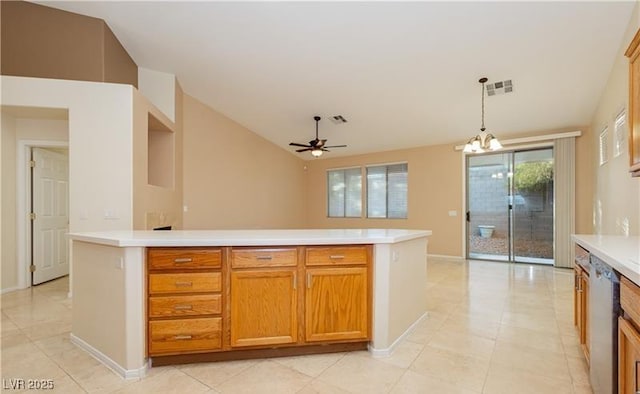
x: 184, y: 258
x: 630, y: 299
x: 337, y: 255
x: 264, y: 257
x: 200, y: 282
x: 191, y: 305
x: 185, y: 335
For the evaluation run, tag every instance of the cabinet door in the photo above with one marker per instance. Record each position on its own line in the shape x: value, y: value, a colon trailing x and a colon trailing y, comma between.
x: 336, y: 304
x: 584, y: 334
x: 633, y: 53
x: 634, y: 112
x: 628, y: 357
x: 577, y: 298
x: 263, y: 307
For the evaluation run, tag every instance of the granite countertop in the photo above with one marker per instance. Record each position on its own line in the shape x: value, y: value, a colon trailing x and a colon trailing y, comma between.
x: 622, y: 253
x: 248, y: 237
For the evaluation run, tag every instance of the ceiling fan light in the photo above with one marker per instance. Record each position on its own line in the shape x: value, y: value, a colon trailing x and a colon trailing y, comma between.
x: 316, y: 152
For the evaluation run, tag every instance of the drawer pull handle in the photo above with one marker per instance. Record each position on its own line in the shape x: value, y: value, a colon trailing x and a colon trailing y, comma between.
x: 183, y: 260
x: 184, y: 284
x: 182, y: 337
x: 336, y: 257
x: 264, y: 257
x: 183, y: 307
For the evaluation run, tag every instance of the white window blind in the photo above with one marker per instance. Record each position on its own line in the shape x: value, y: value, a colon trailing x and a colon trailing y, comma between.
x: 345, y: 193
x: 387, y: 191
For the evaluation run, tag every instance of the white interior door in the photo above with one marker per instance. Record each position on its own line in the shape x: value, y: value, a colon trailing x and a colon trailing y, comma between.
x: 50, y: 204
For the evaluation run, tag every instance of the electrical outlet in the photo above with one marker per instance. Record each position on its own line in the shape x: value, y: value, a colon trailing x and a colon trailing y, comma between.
x: 453, y: 213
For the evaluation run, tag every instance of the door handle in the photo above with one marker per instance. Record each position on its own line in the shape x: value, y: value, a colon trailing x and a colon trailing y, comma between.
x: 468, y: 215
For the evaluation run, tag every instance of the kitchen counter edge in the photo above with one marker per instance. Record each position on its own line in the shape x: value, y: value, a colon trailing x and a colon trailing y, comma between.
x: 622, y: 253
x: 185, y: 238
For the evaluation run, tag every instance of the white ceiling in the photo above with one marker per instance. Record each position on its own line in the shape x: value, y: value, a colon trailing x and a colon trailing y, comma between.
x: 402, y: 74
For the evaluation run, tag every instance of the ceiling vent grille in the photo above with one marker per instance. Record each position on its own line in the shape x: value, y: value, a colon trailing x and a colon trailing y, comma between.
x: 338, y: 119
x: 501, y: 87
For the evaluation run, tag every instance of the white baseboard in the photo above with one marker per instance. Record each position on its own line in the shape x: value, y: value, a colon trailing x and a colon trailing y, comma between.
x: 389, y: 351
x: 446, y: 257
x: 9, y: 289
x: 106, y: 360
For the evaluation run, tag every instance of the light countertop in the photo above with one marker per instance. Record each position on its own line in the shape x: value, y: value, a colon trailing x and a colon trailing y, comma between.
x: 248, y: 237
x: 620, y: 252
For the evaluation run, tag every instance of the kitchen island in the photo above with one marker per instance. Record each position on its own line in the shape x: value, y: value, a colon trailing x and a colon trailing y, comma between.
x: 315, y: 290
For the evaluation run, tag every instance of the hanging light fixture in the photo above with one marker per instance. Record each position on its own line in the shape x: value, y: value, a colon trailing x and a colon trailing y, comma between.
x: 483, y: 141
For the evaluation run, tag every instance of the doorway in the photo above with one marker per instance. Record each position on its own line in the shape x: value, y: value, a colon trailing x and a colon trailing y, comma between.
x: 510, y: 206
x: 49, y: 213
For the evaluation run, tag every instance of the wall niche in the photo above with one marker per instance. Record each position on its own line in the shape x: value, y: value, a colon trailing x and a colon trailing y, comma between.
x: 160, y: 154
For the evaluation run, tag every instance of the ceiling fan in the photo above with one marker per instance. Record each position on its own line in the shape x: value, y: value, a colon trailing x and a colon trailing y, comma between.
x: 316, y: 146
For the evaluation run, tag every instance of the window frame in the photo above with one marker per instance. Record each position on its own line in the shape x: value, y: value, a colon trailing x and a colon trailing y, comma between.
x: 366, y: 178
x: 344, y: 202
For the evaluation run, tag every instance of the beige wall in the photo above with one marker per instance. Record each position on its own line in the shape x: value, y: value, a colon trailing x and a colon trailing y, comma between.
x: 436, y: 179
x: 8, y: 252
x: 235, y: 179
x: 15, y: 129
x: 156, y: 206
x: 616, y: 203
x: 40, y: 41
x: 435, y: 188
x: 585, y: 184
x: 100, y: 145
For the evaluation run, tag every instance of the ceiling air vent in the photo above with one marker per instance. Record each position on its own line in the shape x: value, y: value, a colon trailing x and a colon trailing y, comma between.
x: 501, y: 87
x: 338, y: 119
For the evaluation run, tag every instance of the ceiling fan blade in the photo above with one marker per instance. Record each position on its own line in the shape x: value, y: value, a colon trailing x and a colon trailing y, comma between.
x: 303, y: 150
x: 336, y: 146
x: 296, y: 144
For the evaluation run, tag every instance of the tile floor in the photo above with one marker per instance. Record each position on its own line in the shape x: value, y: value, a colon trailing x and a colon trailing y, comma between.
x: 492, y: 328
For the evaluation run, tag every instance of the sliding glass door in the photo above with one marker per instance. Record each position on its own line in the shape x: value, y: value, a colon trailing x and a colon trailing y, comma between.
x: 510, y: 206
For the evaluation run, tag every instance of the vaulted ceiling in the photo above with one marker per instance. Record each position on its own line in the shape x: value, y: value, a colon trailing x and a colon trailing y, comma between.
x: 403, y: 74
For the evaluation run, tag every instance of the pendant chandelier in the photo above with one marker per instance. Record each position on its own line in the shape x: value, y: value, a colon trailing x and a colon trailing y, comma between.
x: 483, y: 141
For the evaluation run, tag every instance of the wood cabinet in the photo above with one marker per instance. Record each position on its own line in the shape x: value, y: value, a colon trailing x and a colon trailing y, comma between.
x: 337, y: 297
x: 184, y: 303
x: 633, y: 53
x: 581, y: 299
x: 336, y: 304
x: 629, y: 338
x: 253, y: 301
x: 264, y: 296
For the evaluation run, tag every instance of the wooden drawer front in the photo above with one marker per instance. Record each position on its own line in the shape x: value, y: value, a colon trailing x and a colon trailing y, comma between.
x: 184, y: 282
x: 337, y: 255
x: 264, y: 257
x: 185, y: 335
x: 630, y: 299
x: 169, y: 306
x: 184, y: 258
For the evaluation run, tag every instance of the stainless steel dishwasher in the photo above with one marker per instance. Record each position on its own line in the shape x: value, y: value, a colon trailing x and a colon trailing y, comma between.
x: 604, y: 308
